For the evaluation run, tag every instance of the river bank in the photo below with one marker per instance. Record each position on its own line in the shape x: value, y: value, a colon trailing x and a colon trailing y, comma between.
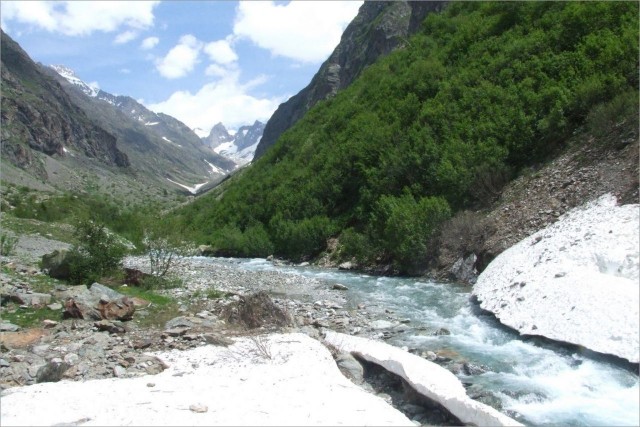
x: 77, y: 351
x: 437, y: 322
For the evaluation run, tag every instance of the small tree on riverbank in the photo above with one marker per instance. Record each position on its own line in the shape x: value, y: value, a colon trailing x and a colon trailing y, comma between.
x: 97, y: 254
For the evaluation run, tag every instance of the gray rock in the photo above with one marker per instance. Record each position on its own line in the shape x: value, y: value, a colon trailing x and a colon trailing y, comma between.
x: 381, y: 324
x: 57, y: 264
x: 442, y: 331
x: 346, y: 266
x: 179, y: 322
x: 119, y: 371
x: 71, y: 359
x: 464, y: 270
x: 52, y: 371
x: 32, y: 299
x: 8, y: 327
x: 339, y: 287
x: 350, y: 367
x: 55, y: 306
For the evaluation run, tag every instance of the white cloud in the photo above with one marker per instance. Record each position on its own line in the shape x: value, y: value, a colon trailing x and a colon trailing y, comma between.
x: 226, y: 100
x: 181, y: 59
x: 216, y: 70
x: 221, y: 52
x: 125, y: 37
x: 306, y: 31
x: 149, y: 43
x: 78, y: 18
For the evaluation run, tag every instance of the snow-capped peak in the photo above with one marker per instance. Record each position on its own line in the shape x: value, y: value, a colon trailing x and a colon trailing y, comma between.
x: 90, y: 89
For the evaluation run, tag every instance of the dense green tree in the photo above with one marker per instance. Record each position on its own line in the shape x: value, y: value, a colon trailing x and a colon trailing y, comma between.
x: 482, y: 91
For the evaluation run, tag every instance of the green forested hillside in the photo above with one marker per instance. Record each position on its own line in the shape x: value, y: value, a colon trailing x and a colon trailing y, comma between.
x: 482, y: 91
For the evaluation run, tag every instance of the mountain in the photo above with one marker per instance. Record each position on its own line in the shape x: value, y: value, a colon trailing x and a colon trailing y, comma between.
x: 241, y: 146
x: 379, y: 28
x: 419, y: 149
x: 159, y: 145
x: 39, y: 119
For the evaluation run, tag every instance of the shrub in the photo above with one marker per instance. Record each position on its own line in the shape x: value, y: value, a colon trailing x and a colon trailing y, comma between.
x: 356, y: 245
x: 7, y: 244
x: 97, y: 254
x: 299, y: 240
x: 406, y: 227
x: 604, y: 118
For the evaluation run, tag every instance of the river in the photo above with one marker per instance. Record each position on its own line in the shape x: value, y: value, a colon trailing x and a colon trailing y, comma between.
x: 539, y: 382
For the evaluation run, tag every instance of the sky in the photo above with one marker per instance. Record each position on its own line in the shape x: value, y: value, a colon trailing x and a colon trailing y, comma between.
x: 202, y: 62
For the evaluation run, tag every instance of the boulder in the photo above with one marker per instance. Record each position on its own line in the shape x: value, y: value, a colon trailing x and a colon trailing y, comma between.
x: 206, y: 250
x: 32, y: 299
x: 57, y: 264
x: 346, y: 266
x: 464, y: 270
x: 134, y: 277
x: 52, y: 371
x: 120, y: 309
x: 97, y: 302
x: 350, y: 367
x: 8, y: 327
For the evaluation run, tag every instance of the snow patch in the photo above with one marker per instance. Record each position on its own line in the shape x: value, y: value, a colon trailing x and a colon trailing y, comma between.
x: 299, y: 385
x: 167, y: 139
x: 427, y: 378
x: 214, y: 168
x: 575, y: 281
x: 192, y: 190
x: 151, y: 123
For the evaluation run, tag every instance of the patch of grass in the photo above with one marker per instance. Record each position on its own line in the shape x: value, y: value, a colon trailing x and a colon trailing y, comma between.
x: 30, y: 317
x: 164, y: 282
x: 50, y: 230
x: 161, y: 310
x: 210, y: 293
x: 146, y: 294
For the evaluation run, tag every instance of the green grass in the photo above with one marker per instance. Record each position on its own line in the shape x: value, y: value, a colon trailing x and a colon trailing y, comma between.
x: 50, y: 230
x: 29, y: 317
x: 152, y: 297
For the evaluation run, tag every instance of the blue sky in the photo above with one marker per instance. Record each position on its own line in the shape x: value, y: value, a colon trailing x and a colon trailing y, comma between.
x: 202, y: 62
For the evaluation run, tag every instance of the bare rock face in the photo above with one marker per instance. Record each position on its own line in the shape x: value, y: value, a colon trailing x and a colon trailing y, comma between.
x: 378, y: 29
x: 38, y: 115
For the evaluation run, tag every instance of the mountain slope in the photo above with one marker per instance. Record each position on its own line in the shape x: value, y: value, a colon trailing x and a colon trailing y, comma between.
x: 240, y: 147
x: 484, y: 92
x: 39, y: 117
x: 159, y: 145
x: 378, y: 29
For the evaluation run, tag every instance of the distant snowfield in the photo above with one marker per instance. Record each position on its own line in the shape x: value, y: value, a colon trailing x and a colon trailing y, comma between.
x: 192, y: 190
x: 230, y: 150
x: 299, y: 385
x: 575, y: 281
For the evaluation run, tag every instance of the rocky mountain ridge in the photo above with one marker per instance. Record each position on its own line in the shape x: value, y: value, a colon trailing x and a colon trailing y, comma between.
x: 239, y: 146
x: 39, y: 118
x: 378, y: 29
x: 148, y: 137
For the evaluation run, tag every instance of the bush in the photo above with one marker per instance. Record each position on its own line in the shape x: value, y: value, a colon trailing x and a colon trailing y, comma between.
x: 604, y: 118
x: 406, y: 227
x: 98, y: 253
x: 7, y: 244
x: 300, y: 240
x: 356, y: 245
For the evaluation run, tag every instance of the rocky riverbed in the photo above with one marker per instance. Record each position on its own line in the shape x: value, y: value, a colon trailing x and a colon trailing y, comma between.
x: 208, y: 312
